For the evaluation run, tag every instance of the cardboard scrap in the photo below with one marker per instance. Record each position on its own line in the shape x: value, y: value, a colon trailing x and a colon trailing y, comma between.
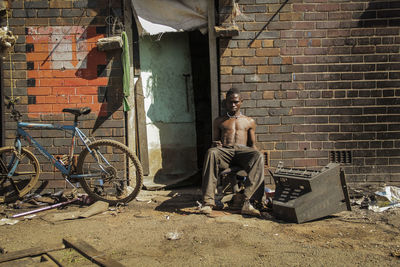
x: 96, y: 208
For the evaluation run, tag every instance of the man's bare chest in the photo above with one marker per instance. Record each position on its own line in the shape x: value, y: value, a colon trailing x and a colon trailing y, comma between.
x: 235, y: 125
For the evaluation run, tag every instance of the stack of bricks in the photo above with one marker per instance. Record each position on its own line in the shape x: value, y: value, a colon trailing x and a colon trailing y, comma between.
x: 322, y: 82
x: 56, y: 65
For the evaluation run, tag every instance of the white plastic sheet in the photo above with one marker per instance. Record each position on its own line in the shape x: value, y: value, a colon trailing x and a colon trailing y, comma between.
x: 387, y: 198
x: 159, y: 16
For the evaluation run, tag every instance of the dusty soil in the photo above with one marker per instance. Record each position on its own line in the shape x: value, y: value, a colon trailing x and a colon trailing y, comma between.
x: 137, y: 235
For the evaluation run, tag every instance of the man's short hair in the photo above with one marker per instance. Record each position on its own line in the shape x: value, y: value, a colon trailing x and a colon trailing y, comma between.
x: 233, y: 91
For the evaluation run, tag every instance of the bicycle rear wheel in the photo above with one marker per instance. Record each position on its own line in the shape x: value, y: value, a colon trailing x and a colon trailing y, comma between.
x: 112, y: 172
x: 25, y: 176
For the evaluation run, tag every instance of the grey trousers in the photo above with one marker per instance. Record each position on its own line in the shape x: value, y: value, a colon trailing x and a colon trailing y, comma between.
x: 219, y: 158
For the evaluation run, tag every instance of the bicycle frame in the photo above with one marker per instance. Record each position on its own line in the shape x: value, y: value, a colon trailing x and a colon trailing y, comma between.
x: 75, y: 131
x: 106, y: 169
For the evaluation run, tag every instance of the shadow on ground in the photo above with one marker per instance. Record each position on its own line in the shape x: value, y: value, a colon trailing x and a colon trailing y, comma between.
x: 185, y: 201
x: 179, y: 200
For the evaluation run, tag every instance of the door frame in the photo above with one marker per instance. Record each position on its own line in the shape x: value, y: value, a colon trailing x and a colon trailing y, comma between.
x: 2, y: 107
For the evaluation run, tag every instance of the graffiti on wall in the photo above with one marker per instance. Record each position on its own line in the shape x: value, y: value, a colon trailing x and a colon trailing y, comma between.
x: 64, y: 69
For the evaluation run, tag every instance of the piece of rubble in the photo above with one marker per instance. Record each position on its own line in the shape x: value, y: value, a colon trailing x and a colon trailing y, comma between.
x: 173, y: 236
x: 96, y: 208
x: 47, y: 200
x: 61, y: 216
x: 395, y: 253
x: 387, y: 198
x: 6, y: 221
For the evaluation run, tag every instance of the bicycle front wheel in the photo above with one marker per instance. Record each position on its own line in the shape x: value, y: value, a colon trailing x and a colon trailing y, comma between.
x: 111, y: 172
x: 25, y: 175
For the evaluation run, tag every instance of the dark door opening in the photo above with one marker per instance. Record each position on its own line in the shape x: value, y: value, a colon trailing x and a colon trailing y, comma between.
x: 201, y: 87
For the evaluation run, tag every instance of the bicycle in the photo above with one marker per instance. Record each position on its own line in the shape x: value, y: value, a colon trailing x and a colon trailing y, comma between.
x: 106, y: 169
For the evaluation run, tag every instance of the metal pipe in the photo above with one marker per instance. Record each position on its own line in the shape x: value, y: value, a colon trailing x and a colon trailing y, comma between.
x: 265, y: 26
x: 44, y: 208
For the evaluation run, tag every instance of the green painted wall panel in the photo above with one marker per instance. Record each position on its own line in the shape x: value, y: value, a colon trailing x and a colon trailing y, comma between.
x: 169, y: 105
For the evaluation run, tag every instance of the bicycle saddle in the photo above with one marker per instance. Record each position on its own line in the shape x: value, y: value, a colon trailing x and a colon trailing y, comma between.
x: 77, y: 111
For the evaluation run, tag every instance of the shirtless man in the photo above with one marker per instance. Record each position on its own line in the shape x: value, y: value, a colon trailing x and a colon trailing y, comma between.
x: 234, y: 142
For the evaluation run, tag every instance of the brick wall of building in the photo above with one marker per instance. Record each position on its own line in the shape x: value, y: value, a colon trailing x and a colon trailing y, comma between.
x: 55, y: 64
x: 322, y: 81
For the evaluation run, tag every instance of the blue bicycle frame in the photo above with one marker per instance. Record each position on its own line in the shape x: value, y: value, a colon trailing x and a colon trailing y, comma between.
x: 65, y: 170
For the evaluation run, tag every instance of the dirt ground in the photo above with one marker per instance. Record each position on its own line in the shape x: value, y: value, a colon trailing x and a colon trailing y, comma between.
x: 163, y: 228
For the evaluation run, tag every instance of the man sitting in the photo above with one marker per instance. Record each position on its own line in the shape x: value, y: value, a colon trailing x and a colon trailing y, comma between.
x: 234, y: 142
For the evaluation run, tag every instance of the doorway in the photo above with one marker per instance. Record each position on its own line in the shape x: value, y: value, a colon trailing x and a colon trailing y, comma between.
x: 175, y: 79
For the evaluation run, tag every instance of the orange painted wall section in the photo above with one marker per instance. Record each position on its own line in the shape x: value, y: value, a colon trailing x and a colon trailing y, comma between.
x: 63, y: 69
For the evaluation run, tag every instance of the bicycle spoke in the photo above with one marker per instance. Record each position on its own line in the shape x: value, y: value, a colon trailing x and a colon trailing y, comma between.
x: 14, y: 186
x: 115, y: 174
x: 23, y: 179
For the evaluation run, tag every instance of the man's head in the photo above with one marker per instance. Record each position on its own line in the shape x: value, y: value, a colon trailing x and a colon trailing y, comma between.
x: 233, y: 100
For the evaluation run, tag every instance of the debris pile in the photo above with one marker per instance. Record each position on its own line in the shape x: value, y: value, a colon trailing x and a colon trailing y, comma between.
x: 387, y: 197
x: 32, y: 204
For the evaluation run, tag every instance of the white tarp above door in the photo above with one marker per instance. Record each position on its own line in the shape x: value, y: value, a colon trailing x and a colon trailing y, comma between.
x: 159, y: 16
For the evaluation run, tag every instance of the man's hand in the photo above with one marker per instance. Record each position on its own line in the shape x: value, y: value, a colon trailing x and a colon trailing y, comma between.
x: 216, y: 143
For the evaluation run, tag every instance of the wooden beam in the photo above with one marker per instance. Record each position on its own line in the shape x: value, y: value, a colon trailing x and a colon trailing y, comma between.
x: 136, y: 119
x: 212, y: 43
x: 31, y: 252
x: 141, y: 125
x: 130, y: 123
x: 91, y: 253
x: 47, y: 260
x: 2, y: 107
x: 226, y: 31
x: 140, y: 112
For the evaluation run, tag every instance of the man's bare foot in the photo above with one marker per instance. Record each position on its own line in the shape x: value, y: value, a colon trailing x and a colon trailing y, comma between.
x: 248, y: 209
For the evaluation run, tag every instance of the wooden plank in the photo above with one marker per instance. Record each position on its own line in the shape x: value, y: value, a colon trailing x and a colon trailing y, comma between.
x: 141, y: 127
x: 131, y: 115
x: 91, y: 253
x: 30, y: 252
x: 227, y: 31
x: 24, y: 262
x: 212, y: 43
x: 137, y: 130
x: 70, y: 256
x: 46, y: 260
x: 2, y: 106
x: 135, y: 41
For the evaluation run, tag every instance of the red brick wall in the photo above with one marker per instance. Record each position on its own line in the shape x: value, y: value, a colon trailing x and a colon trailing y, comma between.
x: 321, y: 79
x: 62, y: 72
x: 56, y: 65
